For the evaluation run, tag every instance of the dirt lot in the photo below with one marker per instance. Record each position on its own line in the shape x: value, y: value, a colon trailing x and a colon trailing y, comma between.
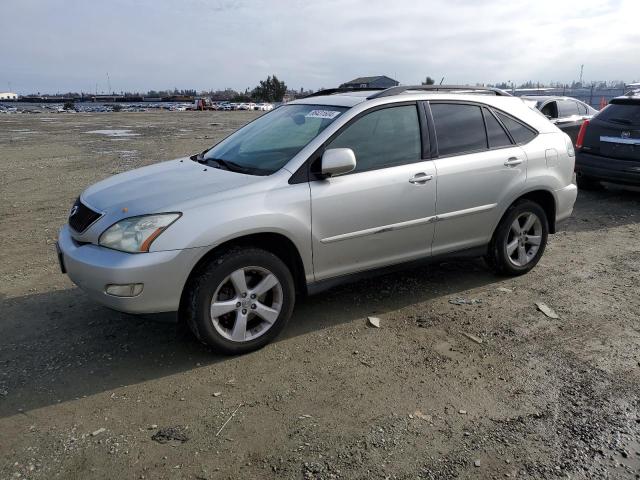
x: 89, y: 393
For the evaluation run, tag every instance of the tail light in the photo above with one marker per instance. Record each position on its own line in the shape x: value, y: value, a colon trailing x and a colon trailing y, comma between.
x: 581, y: 134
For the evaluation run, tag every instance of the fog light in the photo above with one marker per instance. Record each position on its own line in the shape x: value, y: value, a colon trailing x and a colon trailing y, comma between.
x: 127, y: 290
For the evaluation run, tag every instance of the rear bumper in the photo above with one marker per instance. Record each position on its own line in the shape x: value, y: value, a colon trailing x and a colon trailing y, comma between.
x: 565, y: 199
x: 163, y: 274
x: 608, y: 169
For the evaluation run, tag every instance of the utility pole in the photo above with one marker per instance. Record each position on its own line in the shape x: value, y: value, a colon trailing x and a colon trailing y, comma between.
x: 581, y: 70
x: 109, y: 84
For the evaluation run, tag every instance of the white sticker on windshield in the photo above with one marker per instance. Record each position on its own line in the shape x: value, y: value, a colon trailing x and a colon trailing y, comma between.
x: 330, y: 114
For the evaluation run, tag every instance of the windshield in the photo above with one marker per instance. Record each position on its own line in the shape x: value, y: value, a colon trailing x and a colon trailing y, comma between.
x: 265, y: 145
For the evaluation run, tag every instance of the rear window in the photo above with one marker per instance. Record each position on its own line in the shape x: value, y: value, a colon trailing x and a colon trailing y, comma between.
x: 520, y: 133
x: 628, y: 114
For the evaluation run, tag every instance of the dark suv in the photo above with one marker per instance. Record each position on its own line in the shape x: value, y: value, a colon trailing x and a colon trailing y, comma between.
x: 608, y: 145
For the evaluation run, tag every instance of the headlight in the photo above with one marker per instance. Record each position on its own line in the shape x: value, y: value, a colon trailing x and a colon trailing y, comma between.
x: 136, y: 234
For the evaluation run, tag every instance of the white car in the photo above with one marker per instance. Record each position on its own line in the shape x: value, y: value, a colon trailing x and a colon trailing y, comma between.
x: 323, y: 189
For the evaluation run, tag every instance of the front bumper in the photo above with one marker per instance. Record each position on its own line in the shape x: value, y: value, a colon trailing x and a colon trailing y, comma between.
x: 163, y: 274
x: 608, y: 169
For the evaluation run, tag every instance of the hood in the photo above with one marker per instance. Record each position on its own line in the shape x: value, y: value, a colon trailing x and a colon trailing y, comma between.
x: 161, y: 187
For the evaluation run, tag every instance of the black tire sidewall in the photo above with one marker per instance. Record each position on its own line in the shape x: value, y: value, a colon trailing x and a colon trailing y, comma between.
x: 211, y: 277
x: 500, y: 249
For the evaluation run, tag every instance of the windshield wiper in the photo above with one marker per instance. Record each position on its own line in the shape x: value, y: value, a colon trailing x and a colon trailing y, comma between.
x: 227, y: 165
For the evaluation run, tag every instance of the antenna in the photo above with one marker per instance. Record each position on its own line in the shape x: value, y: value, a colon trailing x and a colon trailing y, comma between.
x: 441, y: 80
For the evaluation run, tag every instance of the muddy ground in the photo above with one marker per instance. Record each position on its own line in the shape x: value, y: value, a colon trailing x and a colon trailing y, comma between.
x: 87, y: 393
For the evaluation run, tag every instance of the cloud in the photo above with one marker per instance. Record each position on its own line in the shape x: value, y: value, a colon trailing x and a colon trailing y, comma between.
x: 72, y: 44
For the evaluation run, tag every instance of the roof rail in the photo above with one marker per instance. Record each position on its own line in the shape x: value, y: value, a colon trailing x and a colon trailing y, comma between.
x: 331, y: 91
x: 439, y: 88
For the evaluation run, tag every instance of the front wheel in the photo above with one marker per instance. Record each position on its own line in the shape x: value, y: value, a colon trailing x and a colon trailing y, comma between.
x: 520, y: 239
x: 240, y: 300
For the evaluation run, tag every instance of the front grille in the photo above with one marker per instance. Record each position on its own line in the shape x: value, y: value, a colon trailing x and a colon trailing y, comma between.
x: 81, y: 216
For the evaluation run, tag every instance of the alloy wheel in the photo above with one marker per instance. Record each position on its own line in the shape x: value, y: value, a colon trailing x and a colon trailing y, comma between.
x: 246, y: 304
x: 524, y: 238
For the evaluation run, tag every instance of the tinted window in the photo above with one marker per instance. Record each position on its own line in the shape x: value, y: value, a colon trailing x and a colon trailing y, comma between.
x: 567, y: 108
x: 496, y: 134
x: 268, y: 143
x: 459, y: 128
x: 383, y: 138
x: 628, y: 114
x: 518, y: 131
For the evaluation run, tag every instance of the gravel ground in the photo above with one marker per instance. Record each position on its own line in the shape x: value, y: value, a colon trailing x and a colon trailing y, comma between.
x: 485, y: 389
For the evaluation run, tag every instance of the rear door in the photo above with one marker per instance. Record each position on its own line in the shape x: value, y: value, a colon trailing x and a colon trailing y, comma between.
x: 479, y: 164
x: 383, y: 212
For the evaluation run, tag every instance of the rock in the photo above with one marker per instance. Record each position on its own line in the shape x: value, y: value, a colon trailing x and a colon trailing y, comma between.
x: 547, y: 310
x: 462, y: 412
x: 217, y: 394
x: 464, y: 301
x: 173, y: 435
x: 98, y: 431
x: 422, y: 416
x: 472, y: 337
x: 504, y: 290
x: 476, y: 463
x: 373, y: 322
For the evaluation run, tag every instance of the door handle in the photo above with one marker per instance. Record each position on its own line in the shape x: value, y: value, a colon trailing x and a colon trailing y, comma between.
x: 513, y: 161
x: 420, y: 178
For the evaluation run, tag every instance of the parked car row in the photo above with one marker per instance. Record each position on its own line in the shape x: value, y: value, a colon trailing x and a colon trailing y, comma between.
x: 201, y: 104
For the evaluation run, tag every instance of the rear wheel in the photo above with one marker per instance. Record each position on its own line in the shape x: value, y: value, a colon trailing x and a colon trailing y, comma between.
x: 240, y: 300
x: 520, y: 239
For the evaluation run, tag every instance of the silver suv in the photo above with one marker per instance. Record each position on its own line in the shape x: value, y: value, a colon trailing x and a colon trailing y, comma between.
x: 316, y: 192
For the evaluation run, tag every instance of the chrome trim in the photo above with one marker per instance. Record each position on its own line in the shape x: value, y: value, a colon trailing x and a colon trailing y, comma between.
x: 628, y: 141
x: 466, y: 211
x: 375, y: 230
x: 408, y: 224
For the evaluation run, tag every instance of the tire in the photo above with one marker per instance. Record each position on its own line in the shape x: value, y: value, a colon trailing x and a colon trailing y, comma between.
x: 220, y: 325
x: 505, y: 260
x: 588, y: 183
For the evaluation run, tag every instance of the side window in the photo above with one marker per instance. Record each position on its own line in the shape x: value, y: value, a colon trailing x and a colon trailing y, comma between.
x: 550, y: 110
x: 459, y: 128
x: 567, y: 108
x: 518, y: 131
x: 582, y: 108
x: 496, y: 134
x: 383, y: 138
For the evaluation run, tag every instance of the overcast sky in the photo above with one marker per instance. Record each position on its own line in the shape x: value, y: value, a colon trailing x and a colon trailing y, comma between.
x: 62, y: 45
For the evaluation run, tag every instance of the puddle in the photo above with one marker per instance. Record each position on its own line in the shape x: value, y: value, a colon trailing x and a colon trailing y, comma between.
x: 115, y: 133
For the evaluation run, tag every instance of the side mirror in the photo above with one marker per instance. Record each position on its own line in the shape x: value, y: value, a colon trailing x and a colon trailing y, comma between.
x: 337, y: 161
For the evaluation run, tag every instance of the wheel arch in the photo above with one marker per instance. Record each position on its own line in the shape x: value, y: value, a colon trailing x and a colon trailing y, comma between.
x: 542, y: 197
x: 277, y: 243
